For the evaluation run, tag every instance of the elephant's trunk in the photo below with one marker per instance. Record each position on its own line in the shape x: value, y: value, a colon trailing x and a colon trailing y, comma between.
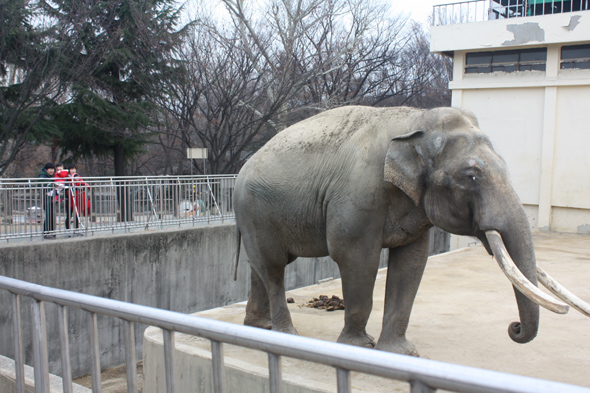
x: 525, y: 330
x: 526, y: 291
x: 518, y: 247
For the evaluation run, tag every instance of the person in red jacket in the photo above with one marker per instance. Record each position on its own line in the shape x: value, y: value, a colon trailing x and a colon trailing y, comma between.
x: 60, y: 181
x: 77, y: 204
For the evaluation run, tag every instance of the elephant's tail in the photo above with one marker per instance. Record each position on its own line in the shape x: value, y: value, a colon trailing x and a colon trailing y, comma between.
x: 239, y: 237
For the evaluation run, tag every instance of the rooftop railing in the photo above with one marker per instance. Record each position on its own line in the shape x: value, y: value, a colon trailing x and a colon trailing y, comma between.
x: 484, y: 10
x: 422, y: 375
x: 31, y: 208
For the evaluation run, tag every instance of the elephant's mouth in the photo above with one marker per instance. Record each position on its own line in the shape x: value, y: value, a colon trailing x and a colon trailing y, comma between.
x: 530, y: 290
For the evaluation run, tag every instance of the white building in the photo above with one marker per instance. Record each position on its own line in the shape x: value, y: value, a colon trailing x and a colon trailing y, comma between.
x: 523, y: 67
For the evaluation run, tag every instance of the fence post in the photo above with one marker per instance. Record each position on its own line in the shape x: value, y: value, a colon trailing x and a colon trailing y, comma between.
x: 40, y: 347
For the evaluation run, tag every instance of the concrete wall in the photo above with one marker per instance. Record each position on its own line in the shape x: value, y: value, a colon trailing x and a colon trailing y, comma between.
x: 537, y: 120
x: 184, y: 270
x: 8, y: 380
x: 568, y: 27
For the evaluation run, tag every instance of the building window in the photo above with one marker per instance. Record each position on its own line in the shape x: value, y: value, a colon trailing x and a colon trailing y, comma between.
x: 575, y: 57
x: 506, y: 61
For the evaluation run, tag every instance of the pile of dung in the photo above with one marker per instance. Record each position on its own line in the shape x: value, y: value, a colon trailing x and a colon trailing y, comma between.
x: 326, y: 303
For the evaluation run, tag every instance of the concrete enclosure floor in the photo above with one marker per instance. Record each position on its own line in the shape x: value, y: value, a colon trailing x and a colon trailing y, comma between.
x: 461, y: 315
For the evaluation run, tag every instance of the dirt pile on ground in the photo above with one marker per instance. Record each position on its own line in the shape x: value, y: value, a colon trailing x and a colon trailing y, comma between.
x: 325, y: 303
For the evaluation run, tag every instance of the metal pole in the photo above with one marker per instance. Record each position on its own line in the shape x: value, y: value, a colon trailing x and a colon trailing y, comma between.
x: 275, y: 373
x: 40, y: 347
x: 18, y: 344
x: 343, y: 380
x: 131, y: 361
x: 169, y: 359
x: 217, y: 362
x: 66, y: 370
x: 94, y: 352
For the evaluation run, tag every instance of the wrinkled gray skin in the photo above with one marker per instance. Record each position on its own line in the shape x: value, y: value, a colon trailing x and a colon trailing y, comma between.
x: 351, y: 181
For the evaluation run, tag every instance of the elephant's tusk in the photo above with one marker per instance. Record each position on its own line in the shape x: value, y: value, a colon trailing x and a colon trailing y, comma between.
x: 518, y: 279
x: 558, y: 290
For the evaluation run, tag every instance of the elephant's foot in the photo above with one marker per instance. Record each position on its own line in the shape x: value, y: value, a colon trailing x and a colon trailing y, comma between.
x: 400, y: 345
x: 266, y: 323
x: 359, y: 339
x: 258, y: 321
x: 286, y: 329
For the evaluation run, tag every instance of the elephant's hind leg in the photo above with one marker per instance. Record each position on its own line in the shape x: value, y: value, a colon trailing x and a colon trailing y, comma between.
x: 258, y: 307
x: 267, y: 297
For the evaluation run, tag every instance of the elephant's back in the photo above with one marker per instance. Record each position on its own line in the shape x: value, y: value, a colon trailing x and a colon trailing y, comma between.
x: 312, y: 158
x: 331, y: 130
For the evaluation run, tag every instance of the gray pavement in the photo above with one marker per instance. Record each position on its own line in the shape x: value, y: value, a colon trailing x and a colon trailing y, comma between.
x: 461, y: 315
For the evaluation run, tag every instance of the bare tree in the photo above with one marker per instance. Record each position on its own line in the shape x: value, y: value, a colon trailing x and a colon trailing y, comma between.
x: 429, y: 73
x: 247, y: 80
x: 221, y: 102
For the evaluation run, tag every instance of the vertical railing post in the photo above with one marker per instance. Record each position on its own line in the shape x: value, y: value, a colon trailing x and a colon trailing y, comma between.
x: 66, y: 370
x: 130, y: 358
x: 275, y: 373
x: 162, y: 202
x: 169, y: 359
x: 420, y: 387
x: 40, y: 347
x: 217, y: 363
x: 94, y: 352
x: 343, y: 380
x: 19, y: 366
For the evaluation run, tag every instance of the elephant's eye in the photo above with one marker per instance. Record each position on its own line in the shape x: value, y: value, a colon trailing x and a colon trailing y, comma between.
x: 470, y: 179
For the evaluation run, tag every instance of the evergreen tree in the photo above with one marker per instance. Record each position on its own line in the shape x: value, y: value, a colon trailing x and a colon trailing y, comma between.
x: 126, y: 44
x: 29, y: 82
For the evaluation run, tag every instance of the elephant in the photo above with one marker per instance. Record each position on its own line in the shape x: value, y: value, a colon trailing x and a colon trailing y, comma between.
x: 350, y: 181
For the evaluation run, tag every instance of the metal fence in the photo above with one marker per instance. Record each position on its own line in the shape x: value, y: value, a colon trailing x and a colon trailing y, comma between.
x: 423, y: 375
x: 30, y: 208
x: 483, y: 10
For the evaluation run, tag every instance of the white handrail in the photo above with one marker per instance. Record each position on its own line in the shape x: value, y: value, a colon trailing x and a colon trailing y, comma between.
x: 422, y: 374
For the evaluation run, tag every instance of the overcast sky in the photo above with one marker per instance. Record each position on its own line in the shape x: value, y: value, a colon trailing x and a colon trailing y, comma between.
x: 418, y: 10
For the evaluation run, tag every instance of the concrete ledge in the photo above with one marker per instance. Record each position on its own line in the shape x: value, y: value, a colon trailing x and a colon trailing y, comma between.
x: 460, y: 316
x: 8, y: 379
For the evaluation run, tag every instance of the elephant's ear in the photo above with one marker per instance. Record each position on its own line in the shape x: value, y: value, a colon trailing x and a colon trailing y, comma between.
x: 404, y: 167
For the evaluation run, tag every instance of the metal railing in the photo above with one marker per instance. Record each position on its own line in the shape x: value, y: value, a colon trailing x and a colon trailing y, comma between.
x: 30, y: 208
x: 423, y: 375
x: 483, y: 10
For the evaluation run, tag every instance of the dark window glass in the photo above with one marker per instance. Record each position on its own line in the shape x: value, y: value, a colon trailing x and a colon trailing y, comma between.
x: 536, y: 54
x: 478, y: 58
x: 505, y: 57
x: 575, y: 57
x: 575, y: 52
x: 506, y: 61
x: 506, y: 68
x: 579, y: 65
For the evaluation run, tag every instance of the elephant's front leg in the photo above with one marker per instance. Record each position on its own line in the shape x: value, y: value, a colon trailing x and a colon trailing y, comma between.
x: 358, y: 269
x: 404, y: 273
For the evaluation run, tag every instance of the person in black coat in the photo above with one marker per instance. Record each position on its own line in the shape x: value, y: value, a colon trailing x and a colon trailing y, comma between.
x: 47, y: 192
